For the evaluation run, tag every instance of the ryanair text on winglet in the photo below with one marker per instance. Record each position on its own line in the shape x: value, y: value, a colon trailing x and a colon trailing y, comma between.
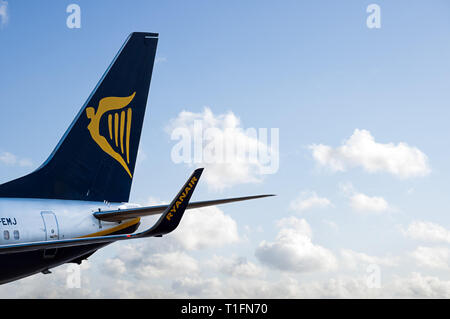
x: 182, y: 197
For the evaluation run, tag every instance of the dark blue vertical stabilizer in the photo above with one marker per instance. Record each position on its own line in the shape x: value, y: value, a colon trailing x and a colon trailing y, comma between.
x: 95, y: 158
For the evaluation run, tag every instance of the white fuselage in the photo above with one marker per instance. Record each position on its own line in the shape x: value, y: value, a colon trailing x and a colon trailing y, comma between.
x: 30, y: 220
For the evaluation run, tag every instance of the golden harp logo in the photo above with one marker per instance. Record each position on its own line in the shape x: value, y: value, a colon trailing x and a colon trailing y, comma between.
x: 109, y: 104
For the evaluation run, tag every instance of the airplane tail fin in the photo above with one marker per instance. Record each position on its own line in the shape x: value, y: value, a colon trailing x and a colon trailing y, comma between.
x: 96, y: 157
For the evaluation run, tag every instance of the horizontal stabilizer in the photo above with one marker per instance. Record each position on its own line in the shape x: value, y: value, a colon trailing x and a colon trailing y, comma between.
x: 122, y: 214
x: 168, y: 221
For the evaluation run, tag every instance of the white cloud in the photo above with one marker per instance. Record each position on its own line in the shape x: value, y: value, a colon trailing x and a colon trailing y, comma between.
x: 363, y: 203
x: 150, y: 259
x: 230, y: 154
x: 361, y: 149
x: 432, y: 257
x: 10, y: 159
x: 25, y: 162
x: 4, y: 17
x: 170, y: 264
x: 160, y: 59
x: 141, y: 156
x: 356, y: 260
x: 419, y: 286
x: 427, y: 231
x: 331, y: 224
x: 114, y: 266
x: 56, y: 286
x: 198, y: 286
x: 309, y: 200
x: 293, y: 249
x: 238, y: 267
x: 205, y: 228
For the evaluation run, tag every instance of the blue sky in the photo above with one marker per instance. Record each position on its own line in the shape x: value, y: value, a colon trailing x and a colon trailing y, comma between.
x: 312, y: 69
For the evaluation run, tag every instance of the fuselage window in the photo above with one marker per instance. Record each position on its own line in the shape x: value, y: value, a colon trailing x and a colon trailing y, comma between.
x: 6, y: 235
x: 16, y: 234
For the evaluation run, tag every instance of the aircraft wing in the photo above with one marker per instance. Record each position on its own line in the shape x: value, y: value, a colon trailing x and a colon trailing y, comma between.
x: 168, y: 221
x: 122, y: 214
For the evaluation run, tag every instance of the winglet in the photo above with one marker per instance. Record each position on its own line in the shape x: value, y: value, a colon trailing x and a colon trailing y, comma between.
x: 171, y: 217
